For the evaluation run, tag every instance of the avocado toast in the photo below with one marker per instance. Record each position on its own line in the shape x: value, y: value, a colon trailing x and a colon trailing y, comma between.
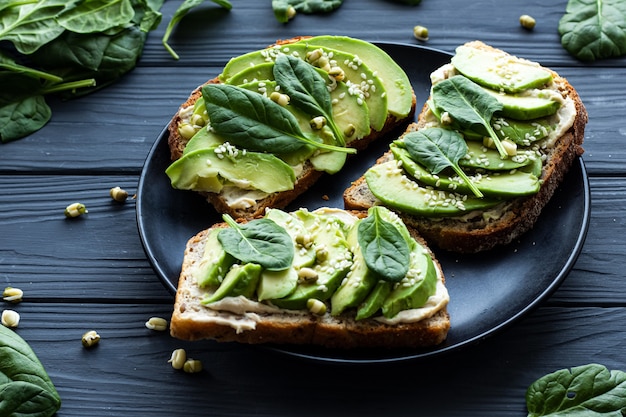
x: 326, y: 283
x: 276, y: 120
x: 490, y: 147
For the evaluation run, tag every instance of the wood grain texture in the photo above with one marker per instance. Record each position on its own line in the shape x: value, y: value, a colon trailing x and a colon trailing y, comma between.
x: 92, y: 272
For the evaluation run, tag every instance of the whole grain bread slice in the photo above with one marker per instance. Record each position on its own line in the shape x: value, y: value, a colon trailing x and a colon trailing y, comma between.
x: 193, y: 321
x: 474, y: 233
x: 304, y: 180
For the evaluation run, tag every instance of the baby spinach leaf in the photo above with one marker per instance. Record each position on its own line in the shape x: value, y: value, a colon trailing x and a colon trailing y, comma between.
x: 181, y: 12
x: 468, y: 105
x: 594, y: 29
x: 96, y: 15
x: 254, y: 122
x: 307, y: 90
x: 437, y: 149
x: 384, y: 249
x: 25, y: 388
x: 32, y: 25
x: 280, y: 7
x: 259, y: 241
x: 588, y: 390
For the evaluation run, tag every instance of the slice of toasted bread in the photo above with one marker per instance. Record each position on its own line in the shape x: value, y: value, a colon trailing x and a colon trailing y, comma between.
x: 248, y: 321
x: 305, y: 178
x: 474, y: 232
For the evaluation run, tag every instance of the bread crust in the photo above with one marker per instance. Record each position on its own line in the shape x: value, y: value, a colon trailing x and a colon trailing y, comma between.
x: 520, y: 214
x: 304, y: 180
x: 193, y: 321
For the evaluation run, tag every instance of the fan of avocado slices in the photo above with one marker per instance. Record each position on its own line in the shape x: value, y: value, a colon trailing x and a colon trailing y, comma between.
x: 489, y: 119
x: 278, y: 108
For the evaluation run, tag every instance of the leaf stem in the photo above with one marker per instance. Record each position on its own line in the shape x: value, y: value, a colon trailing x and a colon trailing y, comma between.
x: 469, y: 182
x: 73, y: 85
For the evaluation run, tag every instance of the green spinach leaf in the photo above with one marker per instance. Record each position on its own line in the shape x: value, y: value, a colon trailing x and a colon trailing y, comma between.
x: 468, y: 105
x: 307, y: 90
x: 25, y: 388
x: 437, y: 149
x: 96, y: 15
x: 281, y: 7
x: 182, y: 10
x: 32, y: 25
x: 594, y: 29
x: 384, y: 249
x: 588, y: 390
x: 259, y: 241
x: 254, y: 122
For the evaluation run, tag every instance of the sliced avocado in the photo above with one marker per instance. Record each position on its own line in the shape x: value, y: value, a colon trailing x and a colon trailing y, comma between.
x: 522, y: 133
x: 361, y: 79
x: 201, y: 170
x: 359, y: 281
x: 414, y: 290
x: 331, y: 268
x: 214, y: 264
x: 277, y: 284
x: 499, y: 71
x: 374, y: 301
x: 240, y: 280
x: 203, y: 139
x: 478, y: 156
x: 390, y: 185
x: 503, y: 184
x: 304, y: 253
x: 525, y: 107
x: 396, y: 82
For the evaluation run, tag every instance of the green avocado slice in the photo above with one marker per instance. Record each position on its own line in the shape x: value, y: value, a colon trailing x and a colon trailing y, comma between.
x: 204, y: 169
x: 396, y: 82
x: 392, y: 187
x: 362, y: 80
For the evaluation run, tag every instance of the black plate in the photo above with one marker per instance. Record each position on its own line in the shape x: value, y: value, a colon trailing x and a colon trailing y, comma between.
x: 488, y: 291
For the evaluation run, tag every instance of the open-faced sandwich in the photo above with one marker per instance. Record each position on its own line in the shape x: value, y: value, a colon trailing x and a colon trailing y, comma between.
x: 327, y: 277
x: 277, y: 119
x: 491, y: 145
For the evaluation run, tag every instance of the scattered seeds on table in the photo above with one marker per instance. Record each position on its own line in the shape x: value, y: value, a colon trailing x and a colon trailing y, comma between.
x: 178, y: 359
x: 118, y: 194
x: 75, y: 210
x: 527, y: 22
x: 192, y: 366
x: 420, y: 33
x: 10, y: 318
x: 13, y: 295
x: 90, y: 339
x: 157, y: 323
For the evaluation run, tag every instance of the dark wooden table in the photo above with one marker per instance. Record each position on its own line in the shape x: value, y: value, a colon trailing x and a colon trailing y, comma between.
x: 92, y: 272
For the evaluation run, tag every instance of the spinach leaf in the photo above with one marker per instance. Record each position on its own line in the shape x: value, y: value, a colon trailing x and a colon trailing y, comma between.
x: 182, y: 10
x: 588, y: 390
x: 32, y: 25
x: 25, y: 388
x: 281, y: 7
x: 307, y: 90
x: 468, y: 105
x: 594, y: 29
x: 437, y: 149
x: 384, y: 249
x: 96, y: 15
x: 259, y: 241
x: 254, y: 122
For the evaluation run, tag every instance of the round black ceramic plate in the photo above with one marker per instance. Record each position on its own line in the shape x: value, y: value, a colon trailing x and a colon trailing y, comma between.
x: 488, y: 291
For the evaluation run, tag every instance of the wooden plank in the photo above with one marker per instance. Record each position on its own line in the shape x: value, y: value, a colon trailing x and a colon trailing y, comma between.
x: 486, y: 379
x: 103, y: 247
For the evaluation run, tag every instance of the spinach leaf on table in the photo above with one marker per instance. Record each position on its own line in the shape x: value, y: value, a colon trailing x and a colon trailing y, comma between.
x: 468, y: 105
x: 182, y: 10
x: 96, y: 15
x: 588, y: 390
x: 437, y: 149
x: 281, y: 7
x: 25, y: 388
x: 594, y: 29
